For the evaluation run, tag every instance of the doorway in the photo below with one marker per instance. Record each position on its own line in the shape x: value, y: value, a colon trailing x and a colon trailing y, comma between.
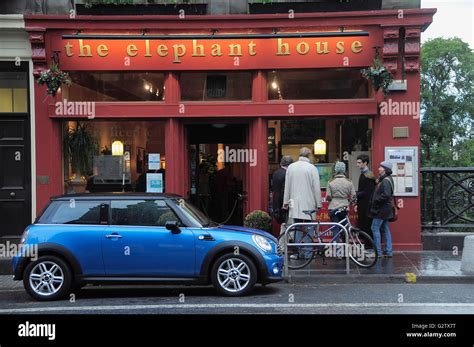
x: 218, y: 169
x: 15, y: 153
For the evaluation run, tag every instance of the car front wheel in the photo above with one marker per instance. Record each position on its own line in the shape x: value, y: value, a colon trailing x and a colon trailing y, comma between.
x: 234, y: 275
x: 47, y: 278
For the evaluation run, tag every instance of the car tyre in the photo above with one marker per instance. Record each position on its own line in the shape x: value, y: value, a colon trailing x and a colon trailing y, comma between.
x: 48, y: 278
x: 234, y: 275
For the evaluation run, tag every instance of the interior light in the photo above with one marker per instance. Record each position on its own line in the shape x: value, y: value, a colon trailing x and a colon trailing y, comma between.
x: 320, y: 147
x: 117, y: 148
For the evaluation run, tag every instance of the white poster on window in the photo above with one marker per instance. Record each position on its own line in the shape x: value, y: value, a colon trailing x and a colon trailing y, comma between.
x: 154, y: 161
x: 154, y: 183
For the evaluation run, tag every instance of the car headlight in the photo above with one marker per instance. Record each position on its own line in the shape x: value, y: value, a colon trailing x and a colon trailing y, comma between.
x: 262, y: 243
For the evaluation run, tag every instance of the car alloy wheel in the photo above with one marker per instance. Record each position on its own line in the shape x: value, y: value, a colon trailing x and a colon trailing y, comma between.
x: 234, y: 275
x: 46, y: 278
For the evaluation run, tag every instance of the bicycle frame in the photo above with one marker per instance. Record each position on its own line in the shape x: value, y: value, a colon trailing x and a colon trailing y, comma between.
x: 344, y: 222
x: 334, y: 224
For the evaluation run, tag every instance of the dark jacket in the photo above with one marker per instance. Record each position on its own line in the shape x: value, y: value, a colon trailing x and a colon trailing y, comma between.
x: 381, y: 203
x: 278, y: 188
x: 364, y: 193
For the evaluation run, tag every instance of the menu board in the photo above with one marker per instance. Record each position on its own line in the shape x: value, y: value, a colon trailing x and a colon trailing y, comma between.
x: 405, y: 169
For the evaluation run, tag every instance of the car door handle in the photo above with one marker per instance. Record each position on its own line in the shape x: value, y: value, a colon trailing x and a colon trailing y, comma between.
x: 113, y: 236
x: 206, y: 238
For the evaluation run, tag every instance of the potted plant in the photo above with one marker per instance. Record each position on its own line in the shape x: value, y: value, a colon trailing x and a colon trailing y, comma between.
x: 53, y: 78
x: 379, y: 75
x: 259, y: 220
x: 79, y: 148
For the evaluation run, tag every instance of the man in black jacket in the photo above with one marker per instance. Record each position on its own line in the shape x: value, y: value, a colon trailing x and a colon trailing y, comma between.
x: 278, y: 189
x: 364, y: 193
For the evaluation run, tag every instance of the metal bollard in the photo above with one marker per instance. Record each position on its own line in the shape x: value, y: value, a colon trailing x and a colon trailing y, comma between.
x: 467, y: 263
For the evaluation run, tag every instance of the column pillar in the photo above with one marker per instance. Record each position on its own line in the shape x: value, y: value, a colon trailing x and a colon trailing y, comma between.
x: 257, y: 177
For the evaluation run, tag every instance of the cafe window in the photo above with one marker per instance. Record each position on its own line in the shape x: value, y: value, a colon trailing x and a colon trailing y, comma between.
x: 114, y: 156
x: 115, y: 86
x: 214, y: 86
x: 13, y: 92
x: 342, y: 139
x: 316, y: 84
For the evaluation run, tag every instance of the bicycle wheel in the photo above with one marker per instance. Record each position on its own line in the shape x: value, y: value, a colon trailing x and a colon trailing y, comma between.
x: 298, y: 256
x: 362, y: 250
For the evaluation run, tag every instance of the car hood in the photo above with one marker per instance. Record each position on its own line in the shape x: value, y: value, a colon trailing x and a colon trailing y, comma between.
x: 248, y: 230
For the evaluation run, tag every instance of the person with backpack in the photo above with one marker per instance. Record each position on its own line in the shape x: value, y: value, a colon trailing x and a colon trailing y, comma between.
x: 381, y: 209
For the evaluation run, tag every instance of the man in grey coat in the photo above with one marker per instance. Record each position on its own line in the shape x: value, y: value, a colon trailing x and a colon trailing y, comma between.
x: 302, y: 188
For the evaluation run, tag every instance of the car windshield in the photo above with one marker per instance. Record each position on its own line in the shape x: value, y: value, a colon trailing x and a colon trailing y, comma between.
x: 194, y: 213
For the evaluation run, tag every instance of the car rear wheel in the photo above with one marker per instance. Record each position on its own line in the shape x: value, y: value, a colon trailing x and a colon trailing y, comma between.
x: 47, y: 278
x: 234, y: 275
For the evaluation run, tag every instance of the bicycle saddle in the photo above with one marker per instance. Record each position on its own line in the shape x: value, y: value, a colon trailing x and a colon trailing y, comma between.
x: 310, y: 212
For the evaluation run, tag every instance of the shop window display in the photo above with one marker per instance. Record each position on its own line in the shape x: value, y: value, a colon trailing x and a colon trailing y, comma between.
x: 115, y: 86
x: 215, y: 86
x: 121, y: 161
x: 344, y: 139
x: 316, y: 84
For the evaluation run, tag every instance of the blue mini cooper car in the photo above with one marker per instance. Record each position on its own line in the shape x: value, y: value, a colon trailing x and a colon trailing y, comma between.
x: 145, y: 238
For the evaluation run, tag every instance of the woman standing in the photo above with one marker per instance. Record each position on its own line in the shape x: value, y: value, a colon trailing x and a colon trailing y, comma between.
x: 340, y: 192
x: 381, y: 208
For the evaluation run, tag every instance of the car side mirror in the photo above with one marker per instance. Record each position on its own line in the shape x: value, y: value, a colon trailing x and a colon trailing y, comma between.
x: 173, y: 226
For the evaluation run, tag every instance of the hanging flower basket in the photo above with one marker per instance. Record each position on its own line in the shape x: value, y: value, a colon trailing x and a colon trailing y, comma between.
x: 53, y: 78
x: 379, y: 75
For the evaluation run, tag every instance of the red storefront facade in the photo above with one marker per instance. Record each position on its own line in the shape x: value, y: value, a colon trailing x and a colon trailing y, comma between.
x: 90, y: 43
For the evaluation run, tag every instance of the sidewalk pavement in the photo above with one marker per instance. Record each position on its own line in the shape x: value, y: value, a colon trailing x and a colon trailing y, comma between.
x: 422, y: 266
x: 426, y: 267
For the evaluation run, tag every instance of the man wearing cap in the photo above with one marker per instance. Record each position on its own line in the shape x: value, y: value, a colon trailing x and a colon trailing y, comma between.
x: 339, y: 193
x: 381, y: 208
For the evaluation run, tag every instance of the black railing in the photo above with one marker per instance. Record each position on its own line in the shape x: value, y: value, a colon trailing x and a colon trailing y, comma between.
x: 447, y: 197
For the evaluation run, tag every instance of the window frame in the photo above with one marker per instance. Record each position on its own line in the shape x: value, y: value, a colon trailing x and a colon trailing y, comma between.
x: 53, y: 207
x: 110, y: 219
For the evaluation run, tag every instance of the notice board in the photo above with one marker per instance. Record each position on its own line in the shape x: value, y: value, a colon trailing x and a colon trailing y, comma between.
x: 405, y: 169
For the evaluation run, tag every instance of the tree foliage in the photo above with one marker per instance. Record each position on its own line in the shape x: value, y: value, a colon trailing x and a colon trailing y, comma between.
x: 447, y: 103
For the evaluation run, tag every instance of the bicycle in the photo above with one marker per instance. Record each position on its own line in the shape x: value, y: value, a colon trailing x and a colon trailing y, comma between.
x: 362, y: 250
